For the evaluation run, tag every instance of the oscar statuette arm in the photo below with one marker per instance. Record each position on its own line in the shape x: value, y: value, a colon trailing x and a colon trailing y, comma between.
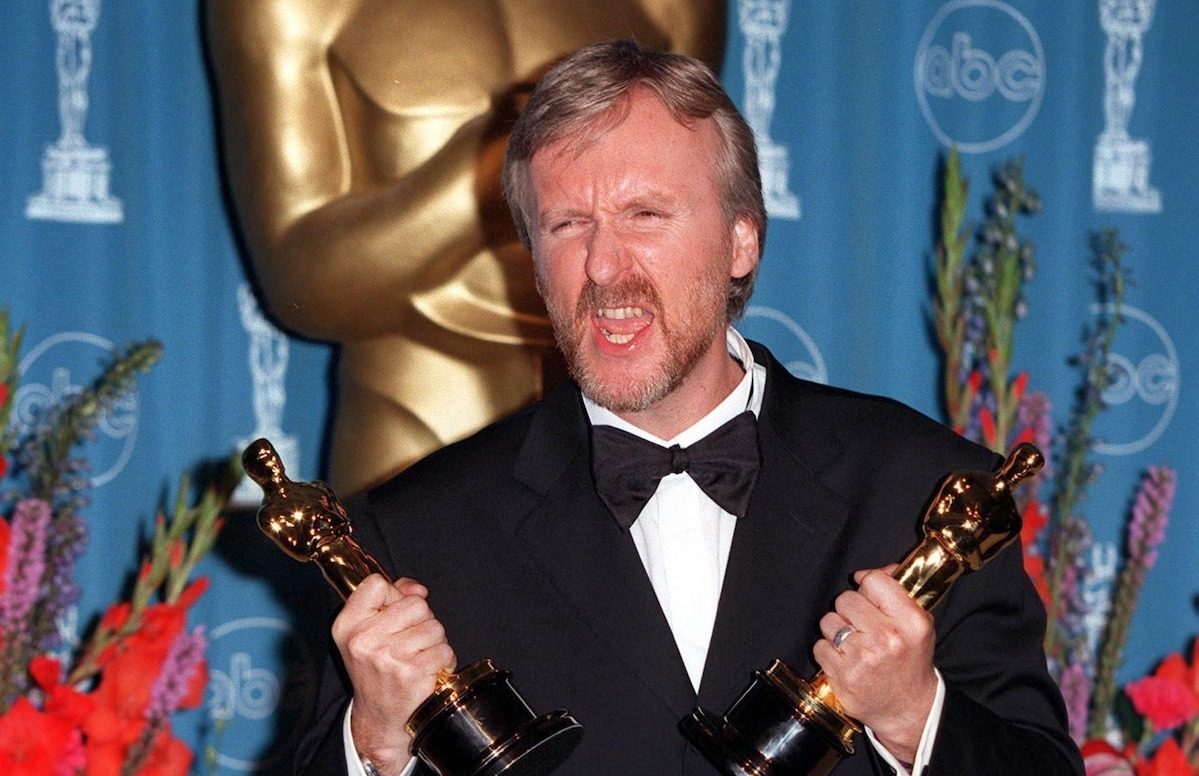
x: 328, y: 235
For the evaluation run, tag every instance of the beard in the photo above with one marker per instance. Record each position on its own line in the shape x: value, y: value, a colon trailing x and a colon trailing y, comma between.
x: 686, y: 335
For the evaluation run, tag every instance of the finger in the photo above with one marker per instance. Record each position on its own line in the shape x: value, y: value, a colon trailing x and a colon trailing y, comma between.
x: 371, y: 595
x: 402, y: 614
x: 884, y: 592
x: 889, y: 570
x: 369, y: 621
x: 827, y: 659
x: 439, y: 657
x: 423, y: 635
x: 382, y: 643
x: 408, y: 586
x: 857, y: 610
x: 831, y: 623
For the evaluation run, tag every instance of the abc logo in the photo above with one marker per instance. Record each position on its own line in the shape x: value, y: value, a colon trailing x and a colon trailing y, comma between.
x: 788, y: 341
x: 980, y: 74
x: 1144, y: 384
x: 59, y: 368
x: 261, y: 682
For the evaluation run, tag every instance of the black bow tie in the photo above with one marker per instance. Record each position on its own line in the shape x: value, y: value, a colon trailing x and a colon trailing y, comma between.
x: 627, y: 468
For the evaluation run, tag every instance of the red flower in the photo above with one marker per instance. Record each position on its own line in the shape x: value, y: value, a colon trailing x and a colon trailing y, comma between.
x: 1175, y: 668
x: 975, y: 381
x: 161, y: 623
x: 1026, y: 435
x: 195, y: 688
x: 1166, y: 703
x: 129, y: 670
x: 62, y: 701
x: 1032, y: 519
x: 115, y: 618
x: 987, y: 420
x: 169, y: 757
x: 176, y: 554
x: 31, y: 743
x: 192, y: 592
x: 45, y: 671
x: 105, y: 759
x: 1168, y: 760
x: 1100, y: 758
x: 1019, y: 385
x: 1034, y: 567
x: 74, y: 757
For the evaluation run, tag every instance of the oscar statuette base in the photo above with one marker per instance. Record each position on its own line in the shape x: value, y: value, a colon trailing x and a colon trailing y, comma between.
x: 476, y: 724
x: 778, y: 727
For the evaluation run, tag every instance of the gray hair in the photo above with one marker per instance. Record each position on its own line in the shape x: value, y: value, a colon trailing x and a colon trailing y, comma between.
x: 588, y: 92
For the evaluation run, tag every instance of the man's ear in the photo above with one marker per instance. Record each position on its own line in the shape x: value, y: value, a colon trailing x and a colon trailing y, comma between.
x: 745, y: 247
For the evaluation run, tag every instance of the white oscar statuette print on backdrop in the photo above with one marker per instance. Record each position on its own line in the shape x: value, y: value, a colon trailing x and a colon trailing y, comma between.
x: 1121, y: 170
x: 75, y: 173
x: 267, y: 359
x: 762, y: 23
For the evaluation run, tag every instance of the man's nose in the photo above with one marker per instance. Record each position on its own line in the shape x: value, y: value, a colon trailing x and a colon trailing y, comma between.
x: 607, y: 256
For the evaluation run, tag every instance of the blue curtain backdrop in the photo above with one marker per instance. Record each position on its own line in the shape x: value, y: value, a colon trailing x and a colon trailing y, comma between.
x: 124, y: 233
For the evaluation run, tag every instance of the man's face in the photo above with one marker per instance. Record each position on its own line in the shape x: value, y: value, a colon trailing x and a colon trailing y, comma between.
x: 634, y: 254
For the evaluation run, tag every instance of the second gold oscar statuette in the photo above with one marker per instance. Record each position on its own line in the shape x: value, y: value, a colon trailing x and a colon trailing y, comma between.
x: 475, y: 723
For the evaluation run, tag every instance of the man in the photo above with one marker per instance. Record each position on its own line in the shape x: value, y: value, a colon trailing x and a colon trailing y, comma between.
x: 634, y: 183
x: 364, y: 140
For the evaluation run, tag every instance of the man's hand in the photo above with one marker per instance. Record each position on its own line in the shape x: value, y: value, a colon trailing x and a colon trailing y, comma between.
x: 392, y: 647
x: 882, y: 671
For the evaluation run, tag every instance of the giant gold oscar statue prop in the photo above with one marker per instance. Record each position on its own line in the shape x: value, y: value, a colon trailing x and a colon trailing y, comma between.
x: 474, y: 723
x: 363, y: 141
x: 785, y: 725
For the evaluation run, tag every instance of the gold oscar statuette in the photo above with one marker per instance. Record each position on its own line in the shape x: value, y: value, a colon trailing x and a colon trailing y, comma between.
x: 475, y: 723
x: 785, y: 725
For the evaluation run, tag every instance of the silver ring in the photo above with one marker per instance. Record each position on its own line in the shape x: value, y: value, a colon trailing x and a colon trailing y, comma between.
x: 841, y: 635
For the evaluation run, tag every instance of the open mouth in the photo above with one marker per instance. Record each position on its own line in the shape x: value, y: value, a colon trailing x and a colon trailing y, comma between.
x: 621, y: 325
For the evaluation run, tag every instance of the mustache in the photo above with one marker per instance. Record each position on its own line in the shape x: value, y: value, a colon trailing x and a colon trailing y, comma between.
x: 634, y: 290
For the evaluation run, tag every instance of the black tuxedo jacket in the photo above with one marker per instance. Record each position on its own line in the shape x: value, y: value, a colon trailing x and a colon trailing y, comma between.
x: 525, y: 565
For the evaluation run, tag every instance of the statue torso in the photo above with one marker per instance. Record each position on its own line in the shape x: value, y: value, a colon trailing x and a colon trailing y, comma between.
x: 410, y: 74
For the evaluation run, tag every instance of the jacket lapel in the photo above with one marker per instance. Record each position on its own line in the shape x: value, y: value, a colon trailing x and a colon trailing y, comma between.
x: 587, y: 558
x: 776, y: 587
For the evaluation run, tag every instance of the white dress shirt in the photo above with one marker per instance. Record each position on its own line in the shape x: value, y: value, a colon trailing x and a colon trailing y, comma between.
x: 683, y: 538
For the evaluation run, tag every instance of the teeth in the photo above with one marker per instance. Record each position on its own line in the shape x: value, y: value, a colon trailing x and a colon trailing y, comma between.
x: 618, y: 339
x: 618, y: 313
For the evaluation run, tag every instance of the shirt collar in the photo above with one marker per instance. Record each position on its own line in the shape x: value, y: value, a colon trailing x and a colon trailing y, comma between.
x: 746, y: 395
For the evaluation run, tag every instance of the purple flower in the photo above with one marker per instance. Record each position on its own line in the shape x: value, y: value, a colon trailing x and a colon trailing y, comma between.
x: 1074, y: 541
x: 184, y: 659
x: 1150, y: 514
x: 1076, y: 691
x: 64, y: 545
x: 1036, y: 414
x: 26, y: 564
